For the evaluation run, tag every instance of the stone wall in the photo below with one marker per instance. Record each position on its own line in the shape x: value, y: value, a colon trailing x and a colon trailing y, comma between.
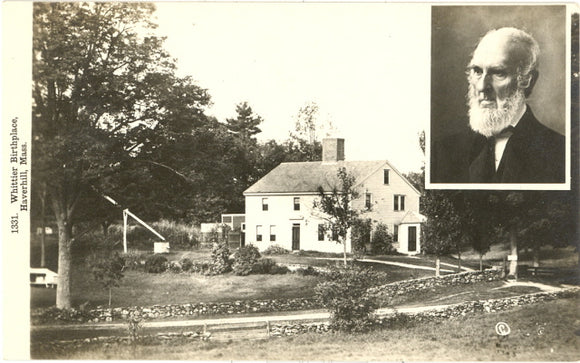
x: 102, y: 314
x: 426, y: 283
x: 105, y: 314
x: 450, y: 312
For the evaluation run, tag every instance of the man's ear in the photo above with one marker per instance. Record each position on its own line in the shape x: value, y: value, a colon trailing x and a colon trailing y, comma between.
x: 528, y: 81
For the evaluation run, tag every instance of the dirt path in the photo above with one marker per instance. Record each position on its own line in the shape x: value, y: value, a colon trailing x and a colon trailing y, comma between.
x: 401, y: 264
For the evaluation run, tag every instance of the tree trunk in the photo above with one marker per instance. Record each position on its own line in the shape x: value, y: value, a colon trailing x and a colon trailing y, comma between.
x: 63, y: 295
x: 481, y: 262
x: 110, y: 296
x: 437, y: 267
x: 344, y: 251
x: 513, y: 268
x: 458, y: 261
x: 43, y: 226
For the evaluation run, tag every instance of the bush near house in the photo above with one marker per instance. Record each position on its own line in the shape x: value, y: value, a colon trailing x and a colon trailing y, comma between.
x: 244, y: 260
x: 269, y: 267
x: 186, y: 264
x: 344, y: 294
x: 382, y: 241
x: 361, y: 234
x: 156, y: 264
x: 275, y: 250
x: 220, y: 259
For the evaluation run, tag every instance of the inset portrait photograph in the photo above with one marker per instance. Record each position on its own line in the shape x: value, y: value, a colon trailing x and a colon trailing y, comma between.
x: 498, y: 97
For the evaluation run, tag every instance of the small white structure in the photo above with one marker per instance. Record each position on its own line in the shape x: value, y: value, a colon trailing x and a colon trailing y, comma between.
x: 409, y: 231
x: 43, y: 277
x: 161, y: 247
x: 210, y: 227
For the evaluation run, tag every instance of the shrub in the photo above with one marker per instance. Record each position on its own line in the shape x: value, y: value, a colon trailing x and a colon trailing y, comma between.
x: 186, y: 264
x: 244, y: 259
x: 200, y: 267
x: 344, y: 294
x: 268, y: 266
x: 275, y: 250
x: 174, y: 267
x: 134, y: 260
x: 155, y: 264
x: 361, y: 234
x: 308, y: 271
x: 382, y: 241
x: 220, y: 259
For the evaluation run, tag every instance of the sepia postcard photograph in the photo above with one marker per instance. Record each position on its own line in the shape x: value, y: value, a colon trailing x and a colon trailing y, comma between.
x: 290, y: 181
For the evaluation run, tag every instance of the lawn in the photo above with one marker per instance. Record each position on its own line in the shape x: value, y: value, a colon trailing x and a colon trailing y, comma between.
x: 143, y: 289
x: 542, y: 332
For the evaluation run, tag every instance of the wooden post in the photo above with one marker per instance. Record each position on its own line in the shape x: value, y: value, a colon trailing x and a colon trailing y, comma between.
x: 125, y: 230
x: 513, y: 257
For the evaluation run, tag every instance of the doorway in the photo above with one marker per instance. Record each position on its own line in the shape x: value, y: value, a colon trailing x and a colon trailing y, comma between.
x: 412, y: 239
x: 295, y: 236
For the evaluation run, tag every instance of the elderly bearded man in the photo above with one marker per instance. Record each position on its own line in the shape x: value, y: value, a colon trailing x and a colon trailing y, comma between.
x: 506, y: 143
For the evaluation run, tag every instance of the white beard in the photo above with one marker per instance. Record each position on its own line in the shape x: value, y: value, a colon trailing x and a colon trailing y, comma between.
x: 492, y: 121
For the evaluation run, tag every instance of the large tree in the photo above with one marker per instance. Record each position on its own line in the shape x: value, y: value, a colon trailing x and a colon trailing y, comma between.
x: 101, y: 88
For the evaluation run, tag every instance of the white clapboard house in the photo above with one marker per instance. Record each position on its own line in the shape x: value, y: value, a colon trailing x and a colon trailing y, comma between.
x: 279, y: 207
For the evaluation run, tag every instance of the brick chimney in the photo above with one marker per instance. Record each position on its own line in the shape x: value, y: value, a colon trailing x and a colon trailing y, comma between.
x: 332, y: 150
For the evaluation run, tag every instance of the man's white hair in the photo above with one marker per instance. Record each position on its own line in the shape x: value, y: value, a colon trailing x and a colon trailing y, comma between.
x: 528, y: 50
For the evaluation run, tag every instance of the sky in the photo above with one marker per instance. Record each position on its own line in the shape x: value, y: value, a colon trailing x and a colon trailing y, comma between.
x: 365, y: 65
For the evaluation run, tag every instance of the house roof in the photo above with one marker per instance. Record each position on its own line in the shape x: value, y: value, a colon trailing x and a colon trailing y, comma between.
x: 413, y: 217
x: 306, y: 177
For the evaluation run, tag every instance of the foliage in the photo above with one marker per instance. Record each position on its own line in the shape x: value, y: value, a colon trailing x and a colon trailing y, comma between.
x: 442, y: 229
x: 246, y: 123
x: 336, y: 206
x: 186, y: 264
x: 181, y: 235
x: 156, y: 264
x: 306, y: 137
x: 106, y: 269
x: 382, y: 241
x: 174, y: 266
x: 307, y: 271
x: 134, y: 260
x: 361, y: 234
x: 244, y: 260
x: 344, y: 293
x: 134, y: 326
x: 219, y: 234
x: 201, y: 267
x: 220, y: 259
x: 275, y: 250
x: 104, y: 94
x: 268, y: 266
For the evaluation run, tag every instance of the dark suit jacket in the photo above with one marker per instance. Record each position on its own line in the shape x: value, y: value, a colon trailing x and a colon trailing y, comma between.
x: 533, y: 154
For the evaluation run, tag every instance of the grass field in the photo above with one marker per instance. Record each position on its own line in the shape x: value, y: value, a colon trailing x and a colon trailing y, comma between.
x: 142, y: 289
x: 543, y: 332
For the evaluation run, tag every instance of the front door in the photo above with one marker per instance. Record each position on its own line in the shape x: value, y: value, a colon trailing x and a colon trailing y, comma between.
x: 412, y: 239
x: 295, y: 236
